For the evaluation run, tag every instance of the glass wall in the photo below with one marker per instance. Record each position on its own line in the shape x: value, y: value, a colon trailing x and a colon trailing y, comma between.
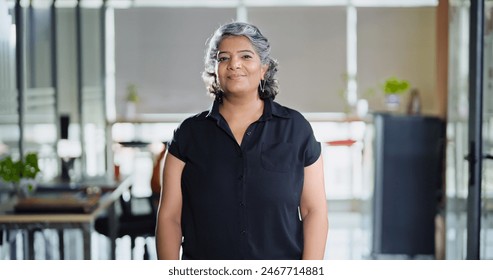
x: 486, y: 237
x: 91, y: 68
x: 57, y: 75
x: 9, y: 115
x: 457, y: 131
x: 457, y: 172
x: 39, y: 98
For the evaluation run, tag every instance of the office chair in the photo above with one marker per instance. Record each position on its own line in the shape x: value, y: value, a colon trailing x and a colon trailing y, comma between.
x: 138, y: 225
x: 132, y: 224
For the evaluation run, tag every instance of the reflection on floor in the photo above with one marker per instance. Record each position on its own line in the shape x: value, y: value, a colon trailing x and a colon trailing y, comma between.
x: 348, y: 239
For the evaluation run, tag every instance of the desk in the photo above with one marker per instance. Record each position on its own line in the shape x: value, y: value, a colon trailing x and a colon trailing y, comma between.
x: 85, y: 221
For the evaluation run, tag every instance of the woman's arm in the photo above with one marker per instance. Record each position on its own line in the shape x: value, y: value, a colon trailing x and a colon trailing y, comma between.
x: 314, y: 212
x: 168, y: 229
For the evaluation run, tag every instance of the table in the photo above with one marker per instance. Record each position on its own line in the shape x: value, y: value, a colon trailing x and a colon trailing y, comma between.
x: 30, y: 222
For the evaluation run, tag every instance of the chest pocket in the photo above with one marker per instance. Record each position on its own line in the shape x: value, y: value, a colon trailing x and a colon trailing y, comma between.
x: 278, y: 157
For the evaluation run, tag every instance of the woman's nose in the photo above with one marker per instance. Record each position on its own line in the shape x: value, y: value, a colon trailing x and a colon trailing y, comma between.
x: 234, y: 63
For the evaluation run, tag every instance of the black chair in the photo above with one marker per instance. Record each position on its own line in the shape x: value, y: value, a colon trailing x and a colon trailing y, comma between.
x: 132, y: 224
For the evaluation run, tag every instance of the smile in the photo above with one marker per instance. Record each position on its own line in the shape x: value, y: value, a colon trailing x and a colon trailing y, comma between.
x: 235, y: 77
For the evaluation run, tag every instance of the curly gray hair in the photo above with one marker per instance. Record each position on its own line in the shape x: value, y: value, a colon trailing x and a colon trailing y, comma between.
x: 261, y: 46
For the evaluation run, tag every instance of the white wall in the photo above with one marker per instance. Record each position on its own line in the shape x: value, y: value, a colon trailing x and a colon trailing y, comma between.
x: 310, y: 45
x: 398, y: 42
x: 161, y: 50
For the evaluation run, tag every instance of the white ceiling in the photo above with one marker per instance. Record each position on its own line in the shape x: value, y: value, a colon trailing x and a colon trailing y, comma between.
x: 271, y: 3
x: 228, y: 3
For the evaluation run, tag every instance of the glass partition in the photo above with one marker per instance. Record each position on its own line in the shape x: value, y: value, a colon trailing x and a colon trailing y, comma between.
x: 457, y: 131
x: 9, y: 116
x: 27, y: 92
x: 92, y: 90
x: 486, y: 238
x: 39, y: 98
x: 56, y: 78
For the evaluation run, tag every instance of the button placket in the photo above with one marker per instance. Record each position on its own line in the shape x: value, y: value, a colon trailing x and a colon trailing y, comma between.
x: 241, y: 202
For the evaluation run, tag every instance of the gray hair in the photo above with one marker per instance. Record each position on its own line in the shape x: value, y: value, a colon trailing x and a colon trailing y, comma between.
x: 261, y: 46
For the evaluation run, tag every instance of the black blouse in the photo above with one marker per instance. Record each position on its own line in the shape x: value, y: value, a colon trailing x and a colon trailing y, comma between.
x: 242, y: 202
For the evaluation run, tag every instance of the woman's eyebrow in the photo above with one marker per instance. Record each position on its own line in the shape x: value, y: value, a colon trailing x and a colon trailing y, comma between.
x: 246, y: 51
x: 221, y: 52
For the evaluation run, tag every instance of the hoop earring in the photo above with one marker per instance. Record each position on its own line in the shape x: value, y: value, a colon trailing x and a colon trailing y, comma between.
x: 262, y: 87
x: 219, y: 97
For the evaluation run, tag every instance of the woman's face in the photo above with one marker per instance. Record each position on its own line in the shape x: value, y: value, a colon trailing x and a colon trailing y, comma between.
x: 239, y: 69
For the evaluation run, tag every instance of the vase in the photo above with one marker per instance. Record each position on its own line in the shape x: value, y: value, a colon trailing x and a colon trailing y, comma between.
x: 25, y: 187
x: 392, y: 102
x: 130, y: 110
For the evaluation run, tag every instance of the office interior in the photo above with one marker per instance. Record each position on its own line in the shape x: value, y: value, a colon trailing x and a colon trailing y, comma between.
x: 95, y: 89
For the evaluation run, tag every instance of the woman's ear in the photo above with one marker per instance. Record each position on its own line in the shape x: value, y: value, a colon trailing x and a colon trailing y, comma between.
x: 263, y: 70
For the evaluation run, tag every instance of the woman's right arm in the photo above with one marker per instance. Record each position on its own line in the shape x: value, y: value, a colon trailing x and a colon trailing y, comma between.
x: 168, y: 229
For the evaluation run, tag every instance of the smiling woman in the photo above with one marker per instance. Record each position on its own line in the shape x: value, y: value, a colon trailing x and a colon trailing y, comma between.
x: 243, y: 180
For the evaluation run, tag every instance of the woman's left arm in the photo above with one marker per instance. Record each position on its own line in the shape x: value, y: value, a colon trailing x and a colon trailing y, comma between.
x: 314, y: 212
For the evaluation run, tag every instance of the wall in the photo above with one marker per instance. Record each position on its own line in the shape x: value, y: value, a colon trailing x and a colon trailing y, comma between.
x: 310, y: 45
x: 398, y: 42
x: 161, y: 51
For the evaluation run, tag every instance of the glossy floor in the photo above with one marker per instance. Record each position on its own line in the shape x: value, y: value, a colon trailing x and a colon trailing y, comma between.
x: 348, y: 239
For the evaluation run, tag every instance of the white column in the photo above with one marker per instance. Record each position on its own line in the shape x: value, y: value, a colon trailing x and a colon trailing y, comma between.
x: 352, y: 55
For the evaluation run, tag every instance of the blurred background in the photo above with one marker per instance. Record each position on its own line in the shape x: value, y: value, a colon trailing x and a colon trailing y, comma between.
x: 399, y: 93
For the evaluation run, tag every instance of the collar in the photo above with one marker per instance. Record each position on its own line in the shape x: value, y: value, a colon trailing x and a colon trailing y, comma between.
x: 271, y: 109
x: 214, y: 111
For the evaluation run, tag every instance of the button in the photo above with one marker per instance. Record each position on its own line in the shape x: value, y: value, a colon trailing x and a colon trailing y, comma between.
x: 242, y: 204
x: 249, y: 133
x: 243, y: 232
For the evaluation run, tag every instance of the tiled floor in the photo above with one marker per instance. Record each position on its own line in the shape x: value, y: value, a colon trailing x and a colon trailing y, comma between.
x: 348, y: 239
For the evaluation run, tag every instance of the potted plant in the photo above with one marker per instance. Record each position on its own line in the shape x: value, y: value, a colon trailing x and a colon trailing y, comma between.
x: 21, y: 174
x: 393, y: 88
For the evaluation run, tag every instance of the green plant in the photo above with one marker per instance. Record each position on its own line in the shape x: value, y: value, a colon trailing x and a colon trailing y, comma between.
x: 13, y: 171
x: 132, y: 94
x: 394, y: 85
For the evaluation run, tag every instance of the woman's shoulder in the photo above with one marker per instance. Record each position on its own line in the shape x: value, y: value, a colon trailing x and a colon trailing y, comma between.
x: 195, y: 118
x: 288, y: 112
x: 191, y: 122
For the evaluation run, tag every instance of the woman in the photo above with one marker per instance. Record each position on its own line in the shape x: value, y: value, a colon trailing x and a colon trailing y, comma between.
x: 243, y: 180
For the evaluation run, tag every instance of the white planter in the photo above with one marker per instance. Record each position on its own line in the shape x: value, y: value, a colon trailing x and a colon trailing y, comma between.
x: 392, y: 102
x: 130, y: 110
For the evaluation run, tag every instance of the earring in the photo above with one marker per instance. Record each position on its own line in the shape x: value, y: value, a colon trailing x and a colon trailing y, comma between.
x: 262, y: 87
x: 219, y: 97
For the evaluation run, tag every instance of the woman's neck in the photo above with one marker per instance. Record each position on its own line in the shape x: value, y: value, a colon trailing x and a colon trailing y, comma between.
x: 240, y: 113
x: 241, y: 107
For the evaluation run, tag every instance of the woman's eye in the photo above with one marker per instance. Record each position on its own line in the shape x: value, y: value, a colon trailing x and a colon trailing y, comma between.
x: 221, y: 59
x: 247, y: 56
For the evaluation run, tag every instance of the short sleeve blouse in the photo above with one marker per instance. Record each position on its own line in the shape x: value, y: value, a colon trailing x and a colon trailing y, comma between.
x: 242, y: 202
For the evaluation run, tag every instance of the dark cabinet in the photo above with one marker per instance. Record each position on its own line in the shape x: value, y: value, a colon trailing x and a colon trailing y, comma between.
x: 408, y: 181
